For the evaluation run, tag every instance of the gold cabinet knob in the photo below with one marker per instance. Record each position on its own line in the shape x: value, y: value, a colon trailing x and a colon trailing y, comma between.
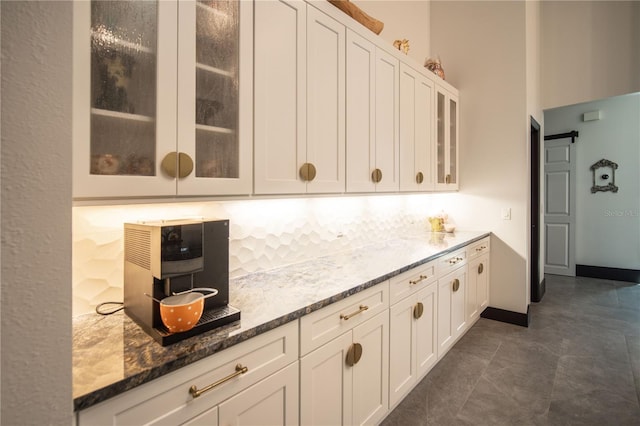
x: 376, y: 175
x: 354, y: 354
x: 307, y: 172
x: 177, y: 164
x: 456, y: 285
x: 480, y: 268
x: 418, y: 310
x: 419, y: 178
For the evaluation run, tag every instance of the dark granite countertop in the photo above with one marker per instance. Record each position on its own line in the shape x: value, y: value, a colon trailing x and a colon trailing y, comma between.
x: 111, y: 354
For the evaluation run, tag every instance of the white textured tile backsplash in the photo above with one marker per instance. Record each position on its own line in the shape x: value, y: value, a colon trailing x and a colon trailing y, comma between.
x: 264, y: 233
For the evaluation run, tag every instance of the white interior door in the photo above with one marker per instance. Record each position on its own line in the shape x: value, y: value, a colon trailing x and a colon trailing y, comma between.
x: 559, y: 207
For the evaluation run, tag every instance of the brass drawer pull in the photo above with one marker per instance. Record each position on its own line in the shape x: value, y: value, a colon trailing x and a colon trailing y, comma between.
x: 354, y: 354
x: 422, y: 278
x: 480, y: 268
x: 419, y: 177
x: 195, y: 392
x: 360, y: 310
x: 455, y: 260
x: 480, y: 248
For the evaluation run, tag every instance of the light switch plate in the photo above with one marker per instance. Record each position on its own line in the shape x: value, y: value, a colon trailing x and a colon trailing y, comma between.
x: 506, y: 213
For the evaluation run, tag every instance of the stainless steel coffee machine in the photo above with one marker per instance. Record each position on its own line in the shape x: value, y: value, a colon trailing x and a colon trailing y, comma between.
x: 168, y: 257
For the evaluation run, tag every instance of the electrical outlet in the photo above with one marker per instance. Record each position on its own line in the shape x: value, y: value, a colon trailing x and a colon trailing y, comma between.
x: 506, y: 213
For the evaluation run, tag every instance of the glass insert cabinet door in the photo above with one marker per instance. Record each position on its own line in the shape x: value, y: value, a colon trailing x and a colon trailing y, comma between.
x: 153, y: 79
x: 215, y: 54
x: 446, y: 140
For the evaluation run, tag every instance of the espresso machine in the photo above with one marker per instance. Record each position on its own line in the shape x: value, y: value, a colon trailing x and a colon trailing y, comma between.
x: 170, y: 257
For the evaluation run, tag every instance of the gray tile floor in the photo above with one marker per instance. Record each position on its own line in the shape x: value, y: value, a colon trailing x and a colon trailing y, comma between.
x: 578, y: 363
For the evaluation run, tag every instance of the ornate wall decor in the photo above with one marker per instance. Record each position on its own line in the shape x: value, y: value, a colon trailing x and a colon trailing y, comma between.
x: 604, y: 170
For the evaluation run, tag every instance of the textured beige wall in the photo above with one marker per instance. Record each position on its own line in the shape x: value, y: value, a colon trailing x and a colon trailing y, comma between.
x: 264, y: 234
x: 36, y: 213
x: 591, y: 50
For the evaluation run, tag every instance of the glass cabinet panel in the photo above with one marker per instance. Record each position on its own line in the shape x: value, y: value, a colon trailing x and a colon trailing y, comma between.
x: 453, y: 142
x: 123, y: 88
x: 217, y: 63
x: 440, y: 139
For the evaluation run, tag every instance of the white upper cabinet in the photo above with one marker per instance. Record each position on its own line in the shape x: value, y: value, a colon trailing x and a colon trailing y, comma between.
x: 299, y: 99
x: 215, y: 128
x: 447, y: 176
x: 361, y: 147
x: 372, y: 117
x: 416, y: 131
x: 162, y: 98
x: 225, y: 97
x: 325, y: 102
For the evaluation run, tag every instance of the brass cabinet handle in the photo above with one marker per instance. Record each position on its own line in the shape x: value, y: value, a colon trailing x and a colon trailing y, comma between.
x: 195, y: 392
x: 447, y: 179
x: 481, y: 248
x: 418, y: 310
x: 177, y: 164
x: 480, y: 268
x: 360, y: 310
x: 422, y: 278
x: 455, y: 260
x: 376, y: 175
x: 308, y: 172
x: 185, y: 165
x: 456, y: 284
x: 419, y: 178
x: 354, y: 354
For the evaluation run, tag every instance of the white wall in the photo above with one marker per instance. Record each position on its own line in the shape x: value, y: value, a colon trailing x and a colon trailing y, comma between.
x: 36, y: 219
x: 534, y: 109
x: 403, y: 19
x: 591, y: 50
x: 482, y: 47
x: 607, y: 223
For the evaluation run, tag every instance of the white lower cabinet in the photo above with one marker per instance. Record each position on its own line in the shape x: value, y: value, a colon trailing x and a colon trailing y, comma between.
x: 451, y: 308
x: 412, y: 341
x: 340, y: 387
x: 345, y: 381
x: 268, y: 388
x: 478, y: 287
x: 274, y: 401
x: 345, y: 364
x: 479, y: 277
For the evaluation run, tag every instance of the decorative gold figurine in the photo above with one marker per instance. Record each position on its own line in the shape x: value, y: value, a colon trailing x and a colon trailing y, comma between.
x: 435, y: 66
x: 402, y: 45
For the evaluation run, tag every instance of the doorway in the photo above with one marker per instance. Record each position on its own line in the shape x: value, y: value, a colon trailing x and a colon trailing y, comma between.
x: 537, y: 287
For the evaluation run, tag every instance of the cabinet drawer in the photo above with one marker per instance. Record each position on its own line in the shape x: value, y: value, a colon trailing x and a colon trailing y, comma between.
x: 411, y: 281
x: 167, y: 400
x: 479, y: 248
x: 451, y: 261
x: 323, y: 325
